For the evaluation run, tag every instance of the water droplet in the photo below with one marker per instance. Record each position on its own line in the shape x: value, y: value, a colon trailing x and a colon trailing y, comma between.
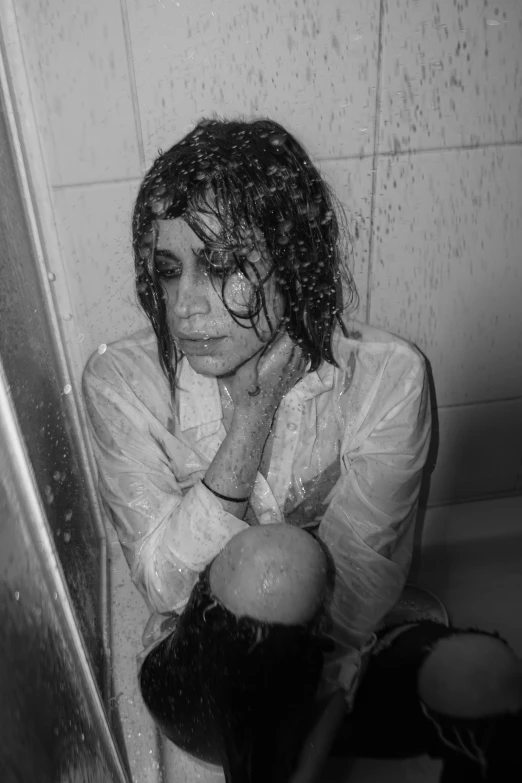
x: 55, y: 596
x: 81, y: 338
x: 102, y: 348
x: 67, y: 317
x: 277, y: 140
x: 68, y: 515
x: 51, y: 276
x: 67, y: 389
x: 66, y: 537
x: 492, y: 22
x: 17, y: 596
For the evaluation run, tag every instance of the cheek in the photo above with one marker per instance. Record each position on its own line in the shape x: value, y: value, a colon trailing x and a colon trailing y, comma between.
x: 237, y: 294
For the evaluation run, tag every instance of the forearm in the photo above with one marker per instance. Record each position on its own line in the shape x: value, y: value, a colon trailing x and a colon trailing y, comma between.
x: 234, y: 469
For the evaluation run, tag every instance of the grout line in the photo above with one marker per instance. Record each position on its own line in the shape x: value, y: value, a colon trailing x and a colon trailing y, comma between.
x: 98, y: 183
x: 376, y: 122
x: 516, y: 398
x: 451, y: 148
x: 340, y: 158
x: 374, y: 156
x: 421, y: 151
x: 132, y: 82
x: 484, y: 497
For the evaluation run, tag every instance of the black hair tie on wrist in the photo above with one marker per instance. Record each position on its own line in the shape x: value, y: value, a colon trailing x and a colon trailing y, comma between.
x: 224, y: 497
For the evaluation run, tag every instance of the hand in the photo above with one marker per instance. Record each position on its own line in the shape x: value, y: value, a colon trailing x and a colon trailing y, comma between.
x: 261, y: 383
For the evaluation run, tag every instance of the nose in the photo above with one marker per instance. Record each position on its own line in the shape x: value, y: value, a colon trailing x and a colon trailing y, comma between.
x: 190, y: 296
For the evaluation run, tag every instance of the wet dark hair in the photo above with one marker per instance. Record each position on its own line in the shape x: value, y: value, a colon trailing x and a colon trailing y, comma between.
x: 260, y: 184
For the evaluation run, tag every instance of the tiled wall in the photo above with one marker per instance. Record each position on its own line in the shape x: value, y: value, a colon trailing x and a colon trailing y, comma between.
x: 413, y: 109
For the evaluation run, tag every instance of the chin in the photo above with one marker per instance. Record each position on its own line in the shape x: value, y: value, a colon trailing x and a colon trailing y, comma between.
x: 210, y: 366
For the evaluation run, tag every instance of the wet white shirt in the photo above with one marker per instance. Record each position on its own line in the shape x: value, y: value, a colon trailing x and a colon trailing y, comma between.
x: 349, y: 446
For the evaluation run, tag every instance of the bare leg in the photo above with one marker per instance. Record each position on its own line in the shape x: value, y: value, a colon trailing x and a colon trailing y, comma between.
x: 473, y: 683
x: 471, y: 676
x: 276, y: 575
x: 273, y: 573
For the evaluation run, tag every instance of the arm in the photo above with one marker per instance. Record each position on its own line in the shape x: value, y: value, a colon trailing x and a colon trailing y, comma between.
x: 369, y: 523
x: 169, y: 532
x: 234, y: 468
x: 162, y: 523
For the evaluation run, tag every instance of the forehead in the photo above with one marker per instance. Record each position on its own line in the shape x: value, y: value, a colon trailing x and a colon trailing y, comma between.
x: 177, y: 232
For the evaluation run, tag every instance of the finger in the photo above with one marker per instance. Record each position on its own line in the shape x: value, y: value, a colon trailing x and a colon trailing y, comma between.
x: 297, y: 356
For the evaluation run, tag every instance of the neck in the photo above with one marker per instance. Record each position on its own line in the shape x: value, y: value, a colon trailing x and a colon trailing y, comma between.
x: 225, y: 386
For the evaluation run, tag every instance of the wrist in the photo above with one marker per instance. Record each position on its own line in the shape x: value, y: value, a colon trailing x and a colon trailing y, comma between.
x: 253, y: 420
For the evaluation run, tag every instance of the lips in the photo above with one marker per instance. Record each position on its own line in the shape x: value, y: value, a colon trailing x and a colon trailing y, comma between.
x: 196, y: 336
x: 198, y: 346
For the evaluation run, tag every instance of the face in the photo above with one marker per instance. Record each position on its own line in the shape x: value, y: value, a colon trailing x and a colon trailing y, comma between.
x: 202, y: 328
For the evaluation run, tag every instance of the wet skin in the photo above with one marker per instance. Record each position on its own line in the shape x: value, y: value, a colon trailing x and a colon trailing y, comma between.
x: 274, y: 573
x: 202, y: 328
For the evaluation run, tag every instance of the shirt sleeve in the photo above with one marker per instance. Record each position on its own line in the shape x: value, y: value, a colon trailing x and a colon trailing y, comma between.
x: 369, y: 523
x: 168, y: 534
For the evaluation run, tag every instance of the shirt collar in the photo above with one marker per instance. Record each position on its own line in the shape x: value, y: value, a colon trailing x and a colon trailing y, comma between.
x: 200, y: 403
x: 315, y: 383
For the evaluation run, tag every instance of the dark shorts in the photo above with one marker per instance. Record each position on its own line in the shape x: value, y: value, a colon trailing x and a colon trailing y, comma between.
x: 240, y: 693
x: 226, y: 689
x: 389, y: 719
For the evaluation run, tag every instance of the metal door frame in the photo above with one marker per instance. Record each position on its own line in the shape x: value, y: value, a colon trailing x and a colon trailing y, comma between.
x: 37, y: 197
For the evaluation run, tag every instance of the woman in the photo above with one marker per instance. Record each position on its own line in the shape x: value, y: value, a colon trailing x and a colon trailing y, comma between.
x: 254, y: 400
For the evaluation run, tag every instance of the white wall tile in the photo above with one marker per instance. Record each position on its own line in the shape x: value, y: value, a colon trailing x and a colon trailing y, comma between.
x: 351, y: 181
x: 77, y: 66
x: 482, y: 520
x: 479, y: 451
x: 94, y: 225
x: 451, y: 73
x: 310, y: 65
x: 470, y: 558
x: 447, y: 269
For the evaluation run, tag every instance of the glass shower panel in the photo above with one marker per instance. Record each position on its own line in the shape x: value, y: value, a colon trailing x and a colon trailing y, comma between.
x: 28, y: 350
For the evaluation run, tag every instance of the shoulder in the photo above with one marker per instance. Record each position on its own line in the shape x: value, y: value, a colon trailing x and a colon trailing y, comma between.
x: 377, y: 351
x: 129, y: 362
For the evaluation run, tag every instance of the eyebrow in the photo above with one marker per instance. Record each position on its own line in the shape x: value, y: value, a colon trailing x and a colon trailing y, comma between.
x: 167, y: 253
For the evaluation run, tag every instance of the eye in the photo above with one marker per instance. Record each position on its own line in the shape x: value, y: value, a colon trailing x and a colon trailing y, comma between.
x: 169, y: 274
x: 219, y: 262
x: 167, y: 269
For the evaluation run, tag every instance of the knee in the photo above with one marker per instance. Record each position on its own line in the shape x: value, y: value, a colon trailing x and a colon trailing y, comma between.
x: 471, y: 675
x: 273, y: 573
